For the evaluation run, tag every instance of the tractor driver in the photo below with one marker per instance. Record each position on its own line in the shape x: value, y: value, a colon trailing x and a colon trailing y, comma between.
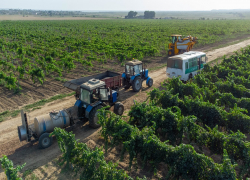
x: 94, y: 96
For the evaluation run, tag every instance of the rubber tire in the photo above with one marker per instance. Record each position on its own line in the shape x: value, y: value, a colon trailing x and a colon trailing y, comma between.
x: 134, y: 84
x: 150, y: 83
x: 42, y: 138
x: 126, y: 86
x: 92, y: 121
x: 117, y: 106
x: 190, y: 76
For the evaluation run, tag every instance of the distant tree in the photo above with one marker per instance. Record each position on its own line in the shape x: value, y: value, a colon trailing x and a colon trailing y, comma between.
x: 149, y: 15
x: 131, y: 14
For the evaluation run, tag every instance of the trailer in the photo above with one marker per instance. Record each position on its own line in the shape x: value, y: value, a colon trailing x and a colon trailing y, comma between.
x: 112, y: 80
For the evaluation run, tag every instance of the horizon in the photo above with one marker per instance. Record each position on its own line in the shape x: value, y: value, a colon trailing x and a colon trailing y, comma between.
x: 129, y: 10
x: 123, y: 5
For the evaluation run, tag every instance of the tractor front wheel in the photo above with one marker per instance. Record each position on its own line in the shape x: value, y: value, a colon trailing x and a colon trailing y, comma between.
x: 150, y: 82
x: 137, y: 84
x: 118, y: 108
x: 93, y: 118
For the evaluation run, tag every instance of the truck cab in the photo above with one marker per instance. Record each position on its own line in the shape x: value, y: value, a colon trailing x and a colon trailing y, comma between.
x: 135, y: 74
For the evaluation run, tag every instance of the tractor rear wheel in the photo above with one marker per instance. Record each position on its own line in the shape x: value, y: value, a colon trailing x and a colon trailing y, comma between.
x: 118, y: 108
x: 93, y: 118
x: 150, y: 82
x: 45, y: 141
x: 137, y: 84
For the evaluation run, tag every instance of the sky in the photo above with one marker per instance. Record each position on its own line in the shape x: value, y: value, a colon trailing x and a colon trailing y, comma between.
x: 125, y: 5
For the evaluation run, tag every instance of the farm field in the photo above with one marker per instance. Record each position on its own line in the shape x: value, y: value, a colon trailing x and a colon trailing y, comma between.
x: 36, y: 57
x: 42, y: 163
x: 38, y: 18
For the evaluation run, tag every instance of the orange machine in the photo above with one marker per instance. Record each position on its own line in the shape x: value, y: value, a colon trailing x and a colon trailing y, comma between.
x: 180, y: 45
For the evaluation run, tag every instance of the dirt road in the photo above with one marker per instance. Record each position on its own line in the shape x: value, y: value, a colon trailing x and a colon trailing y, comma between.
x: 21, y: 152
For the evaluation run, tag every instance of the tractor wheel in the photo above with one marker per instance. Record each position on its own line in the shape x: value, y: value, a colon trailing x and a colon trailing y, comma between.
x: 45, y: 141
x: 137, y: 84
x: 93, y: 118
x: 126, y: 86
x: 118, y: 108
x: 150, y: 82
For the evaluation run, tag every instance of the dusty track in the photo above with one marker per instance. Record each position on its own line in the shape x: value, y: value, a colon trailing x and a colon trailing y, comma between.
x: 23, y: 152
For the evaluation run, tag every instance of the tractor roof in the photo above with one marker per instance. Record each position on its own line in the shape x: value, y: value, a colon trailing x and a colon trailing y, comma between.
x: 175, y: 35
x: 92, y: 84
x: 134, y: 62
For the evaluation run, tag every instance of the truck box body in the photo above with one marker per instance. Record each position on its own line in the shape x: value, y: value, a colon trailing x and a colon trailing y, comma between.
x: 112, y: 80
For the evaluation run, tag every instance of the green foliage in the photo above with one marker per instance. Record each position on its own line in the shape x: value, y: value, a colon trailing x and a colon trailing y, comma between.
x: 131, y: 14
x: 149, y: 14
x: 61, y: 46
x: 90, y: 163
x: 8, y: 167
x: 182, y: 160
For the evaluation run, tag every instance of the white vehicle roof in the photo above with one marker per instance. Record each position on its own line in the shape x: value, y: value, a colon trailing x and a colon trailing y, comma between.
x: 188, y: 55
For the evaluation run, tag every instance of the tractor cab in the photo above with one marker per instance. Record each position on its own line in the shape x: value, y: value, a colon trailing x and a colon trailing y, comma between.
x: 92, y: 91
x: 135, y: 74
x: 94, y: 95
x: 133, y: 67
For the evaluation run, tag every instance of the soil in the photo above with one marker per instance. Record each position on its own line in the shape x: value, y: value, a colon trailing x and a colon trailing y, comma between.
x: 43, y: 162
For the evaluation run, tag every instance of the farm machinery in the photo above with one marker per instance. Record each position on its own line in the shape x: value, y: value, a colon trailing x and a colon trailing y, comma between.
x: 92, y: 93
x: 180, y: 45
x: 134, y: 75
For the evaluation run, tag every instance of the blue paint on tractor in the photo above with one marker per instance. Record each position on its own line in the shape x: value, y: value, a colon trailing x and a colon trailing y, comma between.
x: 79, y: 103
x: 146, y: 73
x: 124, y: 75
x: 89, y: 108
x: 148, y: 80
x: 64, y: 118
x: 114, y: 94
x: 133, y: 77
x: 44, y: 126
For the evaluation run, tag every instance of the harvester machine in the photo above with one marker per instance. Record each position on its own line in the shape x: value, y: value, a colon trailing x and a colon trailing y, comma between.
x: 180, y: 45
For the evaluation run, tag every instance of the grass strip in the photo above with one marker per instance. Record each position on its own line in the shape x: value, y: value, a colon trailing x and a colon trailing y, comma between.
x: 32, y: 107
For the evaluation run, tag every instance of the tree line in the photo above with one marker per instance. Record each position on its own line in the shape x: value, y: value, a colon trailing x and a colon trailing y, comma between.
x: 147, y: 15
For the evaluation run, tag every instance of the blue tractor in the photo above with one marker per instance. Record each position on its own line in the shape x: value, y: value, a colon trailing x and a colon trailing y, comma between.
x: 134, y: 75
x: 95, y: 92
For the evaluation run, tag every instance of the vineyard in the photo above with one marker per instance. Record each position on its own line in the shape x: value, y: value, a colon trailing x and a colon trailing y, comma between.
x: 179, y: 123
x: 36, y: 50
x: 194, y: 130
